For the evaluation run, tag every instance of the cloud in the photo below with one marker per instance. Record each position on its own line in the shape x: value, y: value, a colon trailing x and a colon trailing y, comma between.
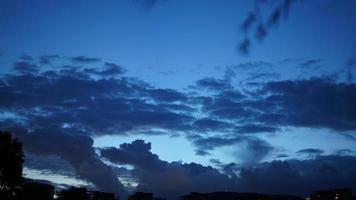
x: 213, y: 84
x: 257, y: 150
x: 344, y: 152
x: 206, y: 124
x: 48, y: 59
x: 138, y: 153
x: 104, y: 100
x: 311, y: 63
x: 229, y: 169
x: 210, y: 143
x: 165, y: 95
x: 227, y: 108
x: 253, y: 148
x: 111, y: 69
x: 311, y: 151
x: 255, y: 128
x: 25, y: 67
x: 282, y: 155
x: 163, y: 178
x: 66, y: 105
x: 55, y: 141
x: 84, y: 59
x: 49, y: 164
x: 299, y: 177
x: 25, y: 57
x: 102, y: 104
x: 314, y: 103
x: 260, y: 177
x: 262, y: 75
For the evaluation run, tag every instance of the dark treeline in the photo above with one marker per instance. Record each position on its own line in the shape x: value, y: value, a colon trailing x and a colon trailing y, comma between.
x: 12, y: 158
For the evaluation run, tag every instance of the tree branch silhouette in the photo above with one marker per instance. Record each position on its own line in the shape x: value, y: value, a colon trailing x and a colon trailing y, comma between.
x: 11, y: 163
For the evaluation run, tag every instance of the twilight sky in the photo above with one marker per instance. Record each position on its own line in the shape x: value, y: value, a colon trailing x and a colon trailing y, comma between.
x: 158, y: 96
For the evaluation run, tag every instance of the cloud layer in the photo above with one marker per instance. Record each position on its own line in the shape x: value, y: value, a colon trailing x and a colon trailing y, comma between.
x: 57, y: 104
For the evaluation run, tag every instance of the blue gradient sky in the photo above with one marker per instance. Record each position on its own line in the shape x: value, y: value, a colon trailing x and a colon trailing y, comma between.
x: 172, y: 44
x: 173, y: 36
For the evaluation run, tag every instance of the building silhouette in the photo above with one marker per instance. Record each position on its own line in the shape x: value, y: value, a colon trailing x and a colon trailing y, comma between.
x: 143, y: 196
x: 38, y: 191
x: 97, y: 195
x: 224, y: 196
x: 236, y: 196
x: 73, y: 193
x: 334, y: 194
x: 83, y: 194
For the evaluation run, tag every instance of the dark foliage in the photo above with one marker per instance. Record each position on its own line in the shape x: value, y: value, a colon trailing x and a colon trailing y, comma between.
x: 12, y: 159
x: 73, y: 194
x: 38, y: 191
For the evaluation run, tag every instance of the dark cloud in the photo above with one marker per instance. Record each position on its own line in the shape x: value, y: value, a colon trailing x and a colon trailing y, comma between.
x: 55, y: 141
x: 244, y: 46
x: 236, y: 111
x: 213, y: 84
x: 67, y: 105
x: 71, y: 96
x: 138, y: 153
x: 107, y: 104
x: 311, y: 151
x: 281, y: 156
x: 206, y: 124
x: 262, y: 75
x: 51, y: 164
x: 166, y: 95
x: 110, y: 69
x: 315, y: 103
x: 231, y: 94
x: 312, y: 103
x: 84, y: 60
x: 257, y: 150
x: 201, y: 152
x: 25, y: 67
x: 299, y: 177
x: 254, y: 148
x: 229, y: 169
x: 260, y: 23
x: 311, y: 63
x: 344, y: 152
x: 178, y: 107
x: 163, y: 178
x: 255, y: 128
x: 259, y: 178
x: 210, y: 143
x: 48, y: 59
x: 25, y: 57
x: 227, y: 108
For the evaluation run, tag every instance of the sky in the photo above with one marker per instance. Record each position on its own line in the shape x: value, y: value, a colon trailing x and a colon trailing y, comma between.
x: 170, y: 96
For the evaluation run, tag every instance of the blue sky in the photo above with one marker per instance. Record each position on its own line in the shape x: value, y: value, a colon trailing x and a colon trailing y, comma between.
x: 173, y: 36
x: 164, y: 80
